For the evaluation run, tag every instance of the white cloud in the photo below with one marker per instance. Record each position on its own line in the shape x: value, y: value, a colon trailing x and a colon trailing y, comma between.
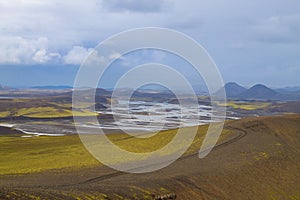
x: 33, y: 31
x: 42, y: 56
x: 76, y: 55
x: 19, y: 50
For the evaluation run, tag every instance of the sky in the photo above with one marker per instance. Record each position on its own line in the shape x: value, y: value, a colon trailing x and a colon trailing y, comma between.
x: 44, y: 42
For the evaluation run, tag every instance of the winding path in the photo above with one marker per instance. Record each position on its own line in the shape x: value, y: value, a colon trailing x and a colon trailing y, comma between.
x: 241, y: 133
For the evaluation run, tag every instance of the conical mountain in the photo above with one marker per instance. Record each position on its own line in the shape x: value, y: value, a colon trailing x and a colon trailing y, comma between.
x: 258, y: 91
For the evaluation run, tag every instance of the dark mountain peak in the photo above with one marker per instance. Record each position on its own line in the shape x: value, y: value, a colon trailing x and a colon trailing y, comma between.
x: 233, y: 89
x: 259, y: 91
x: 260, y: 86
x: 232, y: 84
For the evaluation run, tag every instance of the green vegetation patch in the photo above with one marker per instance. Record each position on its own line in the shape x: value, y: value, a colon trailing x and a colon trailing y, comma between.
x: 248, y: 105
x: 43, y: 108
x: 27, y: 155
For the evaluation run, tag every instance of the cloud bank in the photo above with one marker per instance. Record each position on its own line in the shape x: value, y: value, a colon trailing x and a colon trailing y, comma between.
x: 249, y: 37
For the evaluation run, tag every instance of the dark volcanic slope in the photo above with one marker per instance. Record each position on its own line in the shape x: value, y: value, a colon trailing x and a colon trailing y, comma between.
x: 232, y: 90
x: 260, y: 162
x: 260, y: 92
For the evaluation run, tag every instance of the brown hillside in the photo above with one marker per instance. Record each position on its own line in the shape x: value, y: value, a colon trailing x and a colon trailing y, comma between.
x: 260, y: 161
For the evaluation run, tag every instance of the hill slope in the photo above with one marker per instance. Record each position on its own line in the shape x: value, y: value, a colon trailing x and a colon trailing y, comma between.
x: 259, y: 161
x: 232, y: 90
x: 260, y: 92
x: 288, y: 107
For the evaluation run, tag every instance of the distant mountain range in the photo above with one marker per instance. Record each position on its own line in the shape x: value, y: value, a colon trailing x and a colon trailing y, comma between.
x: 46, y: 87
x: 52, y: 87
x: 233, y: 91
x: 288, y: 89
x: 5, y: 88
x: 260, y: 92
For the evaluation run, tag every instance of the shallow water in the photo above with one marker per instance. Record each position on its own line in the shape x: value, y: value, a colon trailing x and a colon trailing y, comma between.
x: 137, y: 117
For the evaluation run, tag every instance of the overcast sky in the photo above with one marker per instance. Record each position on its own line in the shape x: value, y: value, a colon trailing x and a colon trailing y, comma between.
x: 42, y: 42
